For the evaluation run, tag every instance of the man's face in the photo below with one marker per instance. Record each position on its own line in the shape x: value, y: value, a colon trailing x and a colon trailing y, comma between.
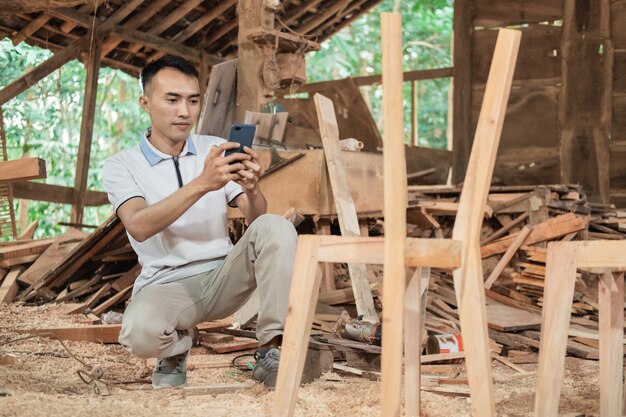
x: 173, y: 101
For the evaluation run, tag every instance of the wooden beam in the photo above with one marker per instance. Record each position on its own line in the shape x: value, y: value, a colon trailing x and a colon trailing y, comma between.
x: 55, y: 193
x: 463, y: 29
x: 302, y: 301
x: 611, y: 313
x: 86, y: 131
x: 558, y: 295
x: 66, y: 54
x: 134, y: 23
x: 211, y: 15
x: 30, y: 6
x: 22, y: 169
x: 407, y: 76
x: 395, y: 203
x: 104, y: 333
x: 320, y: 18
x: 468, y: 279
x: 346, y: 210
x: 508, y: 255
x: 601, y: 253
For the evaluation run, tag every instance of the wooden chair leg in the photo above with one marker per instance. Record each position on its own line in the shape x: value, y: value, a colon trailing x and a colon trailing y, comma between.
x: 558, y: 295
x: 412, y: 344
x: 302, y: 302
x: 473, y: 319
x: 611, y: 306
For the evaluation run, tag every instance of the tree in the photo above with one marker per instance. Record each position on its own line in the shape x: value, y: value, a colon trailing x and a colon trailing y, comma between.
x: 45, y: 121
x: 355, y: 50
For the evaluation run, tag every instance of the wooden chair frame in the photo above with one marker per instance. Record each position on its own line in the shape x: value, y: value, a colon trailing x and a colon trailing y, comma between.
x: 395, y: 251
x: 608, y: 259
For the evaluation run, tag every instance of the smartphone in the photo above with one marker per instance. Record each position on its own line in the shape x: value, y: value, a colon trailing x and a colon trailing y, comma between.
x: 242, y: 134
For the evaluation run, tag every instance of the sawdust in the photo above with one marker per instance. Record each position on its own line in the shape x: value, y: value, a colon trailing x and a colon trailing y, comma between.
x: 43, y: 382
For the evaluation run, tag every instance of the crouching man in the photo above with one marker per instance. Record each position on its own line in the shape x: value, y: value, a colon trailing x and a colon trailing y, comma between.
x: 171, y: 192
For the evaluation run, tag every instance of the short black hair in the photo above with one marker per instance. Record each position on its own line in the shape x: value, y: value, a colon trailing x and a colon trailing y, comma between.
x: 168, y: 61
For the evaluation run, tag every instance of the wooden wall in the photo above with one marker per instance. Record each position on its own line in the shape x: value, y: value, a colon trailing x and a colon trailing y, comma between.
x: 566, y: 117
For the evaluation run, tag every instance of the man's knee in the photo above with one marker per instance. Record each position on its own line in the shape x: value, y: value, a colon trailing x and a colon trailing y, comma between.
x: 140, y: 336
x: 275, y: 227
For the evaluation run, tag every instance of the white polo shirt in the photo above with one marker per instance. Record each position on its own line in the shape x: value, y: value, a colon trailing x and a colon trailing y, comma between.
x: 198, y: 241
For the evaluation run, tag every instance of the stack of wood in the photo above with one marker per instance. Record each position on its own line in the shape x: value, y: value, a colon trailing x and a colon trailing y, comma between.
x: 89, y: 273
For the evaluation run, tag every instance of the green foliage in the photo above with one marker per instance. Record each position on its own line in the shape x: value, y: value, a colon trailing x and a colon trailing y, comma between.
x: 45, y: 122
x: 356, y: 51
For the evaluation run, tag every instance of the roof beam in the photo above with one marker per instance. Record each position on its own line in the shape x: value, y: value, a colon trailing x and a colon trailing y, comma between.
x: 146, y: 38
x: 66, y: 54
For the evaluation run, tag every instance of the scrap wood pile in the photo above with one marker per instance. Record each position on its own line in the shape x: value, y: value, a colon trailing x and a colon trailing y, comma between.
x: 94, y: 273
x: 89, y: 273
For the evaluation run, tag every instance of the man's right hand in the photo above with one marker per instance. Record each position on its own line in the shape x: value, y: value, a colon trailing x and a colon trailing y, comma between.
x: 219, y: 170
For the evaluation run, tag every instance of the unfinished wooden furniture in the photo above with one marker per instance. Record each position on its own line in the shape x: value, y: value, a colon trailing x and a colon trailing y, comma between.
x: 607, y: 259
x: 396, y: 251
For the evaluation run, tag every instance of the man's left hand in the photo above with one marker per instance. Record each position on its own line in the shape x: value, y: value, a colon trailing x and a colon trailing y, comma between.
x: 253, y: 172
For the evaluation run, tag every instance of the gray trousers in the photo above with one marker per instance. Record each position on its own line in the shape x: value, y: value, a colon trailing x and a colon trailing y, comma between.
x: 156, y: 320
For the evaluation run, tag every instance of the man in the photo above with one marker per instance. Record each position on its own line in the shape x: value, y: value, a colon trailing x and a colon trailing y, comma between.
x: 171, y: 192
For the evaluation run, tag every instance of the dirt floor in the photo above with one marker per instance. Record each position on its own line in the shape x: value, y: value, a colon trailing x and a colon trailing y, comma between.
x: 43, y: 382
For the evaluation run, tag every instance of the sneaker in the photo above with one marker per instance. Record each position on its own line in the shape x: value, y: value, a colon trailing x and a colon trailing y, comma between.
x: 266, y: 367
x: 170, y: 372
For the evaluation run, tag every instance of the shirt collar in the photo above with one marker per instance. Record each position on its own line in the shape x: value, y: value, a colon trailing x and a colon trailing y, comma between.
x: 154, y: 156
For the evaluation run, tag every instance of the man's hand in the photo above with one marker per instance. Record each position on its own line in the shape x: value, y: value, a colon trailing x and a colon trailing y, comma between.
x: 252, y: 171
x: 218, y: 170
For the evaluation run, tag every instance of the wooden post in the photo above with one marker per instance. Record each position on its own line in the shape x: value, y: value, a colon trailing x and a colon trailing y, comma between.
x: 558, y: 295
x: 302, y: 301
x: 250, y: 90
x: 323, y: 228
x: 395, y: 203
x: 413, y: 341
x: 346, y: 210
x: 611, y: 308
x: 86, y: 130
x: 468, y: 279
x: 583, y: 110
x: 462, y: 95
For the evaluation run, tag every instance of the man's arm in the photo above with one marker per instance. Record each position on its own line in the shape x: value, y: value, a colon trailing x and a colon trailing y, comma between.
x: 142, y: 221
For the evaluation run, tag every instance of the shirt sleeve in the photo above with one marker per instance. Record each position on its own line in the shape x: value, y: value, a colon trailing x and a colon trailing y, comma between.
x: 119, y: 183
x: 233, y: 190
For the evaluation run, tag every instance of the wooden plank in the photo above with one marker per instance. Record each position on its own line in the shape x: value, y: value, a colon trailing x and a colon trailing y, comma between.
x: 346, y: 210
x: 508, y: 255
x: 127, y: 279
x: 51, y: 257
x: 26, y: 249
x: 396, y: 202
x: 507, y: 319
x: 504, y: 229
x: 302, y: 300
x: 105, y: 333
x: 552, y: 228
x: 125, y: 293
x: 601, y: 253
x: 9, y: 287
x: 437, y: 253
x: 611, y: 306
x: 55, y: 194
x: 468, y: 279
x: 217, y: 389
x: 558, y: 296
x: 9, y: 263
x: 22, y: 169
x: 29, y: 231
